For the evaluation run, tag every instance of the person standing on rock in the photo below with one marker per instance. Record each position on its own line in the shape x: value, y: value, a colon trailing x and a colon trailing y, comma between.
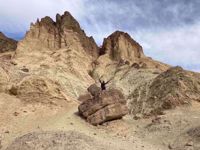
x: 103, y: 84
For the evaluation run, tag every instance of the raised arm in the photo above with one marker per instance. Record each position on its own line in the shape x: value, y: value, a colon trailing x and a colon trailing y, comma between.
x: 108, y: 81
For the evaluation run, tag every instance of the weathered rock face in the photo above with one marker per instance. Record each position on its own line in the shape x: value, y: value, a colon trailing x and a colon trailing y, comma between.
x: 7, y: 44
x: 58, y: 50
x: 171, y: 88
x: 122, y: 59
x: 38, y: 89
x: 120, y: 46
x: 4, y: 79
x: 106, y: 106
x: 64, y: 33
x: 94, y: 90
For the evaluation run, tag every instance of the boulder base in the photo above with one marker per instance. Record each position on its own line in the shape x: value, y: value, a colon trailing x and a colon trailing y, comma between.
x: 108, y: 105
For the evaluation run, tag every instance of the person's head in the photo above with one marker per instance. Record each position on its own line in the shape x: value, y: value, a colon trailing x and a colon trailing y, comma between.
x: 103, y: 82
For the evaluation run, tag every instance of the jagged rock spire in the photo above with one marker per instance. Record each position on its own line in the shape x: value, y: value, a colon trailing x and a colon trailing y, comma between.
x: 62, y: 33
x: 120, y: 45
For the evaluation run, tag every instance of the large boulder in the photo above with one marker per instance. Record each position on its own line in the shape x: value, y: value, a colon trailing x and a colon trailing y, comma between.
x: 108, y: 105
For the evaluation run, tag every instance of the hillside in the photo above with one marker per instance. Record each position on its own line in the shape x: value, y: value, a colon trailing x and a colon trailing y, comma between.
x: 44, y: 81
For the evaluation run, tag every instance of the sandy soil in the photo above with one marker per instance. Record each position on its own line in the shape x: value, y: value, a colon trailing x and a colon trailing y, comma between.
x: 156, y: 133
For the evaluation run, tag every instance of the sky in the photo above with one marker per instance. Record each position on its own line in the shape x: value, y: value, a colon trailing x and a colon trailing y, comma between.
x: 168, y: 30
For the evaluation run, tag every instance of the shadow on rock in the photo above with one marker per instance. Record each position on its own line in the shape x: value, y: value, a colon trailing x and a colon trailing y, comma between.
x: 100, y: 106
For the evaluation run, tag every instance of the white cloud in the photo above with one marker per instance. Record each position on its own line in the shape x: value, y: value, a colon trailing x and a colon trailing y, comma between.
x: 18, y: 14
x: 178, y: 46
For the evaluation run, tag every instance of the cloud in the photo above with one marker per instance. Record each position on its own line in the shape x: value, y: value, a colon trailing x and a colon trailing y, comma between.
x: 179, y: 46
x: 16, y: 15
x: 168, y: 30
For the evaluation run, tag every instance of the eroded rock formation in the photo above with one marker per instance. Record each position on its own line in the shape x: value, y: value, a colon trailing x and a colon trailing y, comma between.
x: 60, y: 51
x: 7, y: 44
x: 174, y: 87
x: 37, y: 89
x: 65, y: 32
x: 120, y: 46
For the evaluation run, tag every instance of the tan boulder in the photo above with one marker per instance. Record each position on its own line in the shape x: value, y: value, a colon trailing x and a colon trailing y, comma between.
x: 108, y: 113
x: 85, y: 97
x: 94, y: 90
x: 109, y: 105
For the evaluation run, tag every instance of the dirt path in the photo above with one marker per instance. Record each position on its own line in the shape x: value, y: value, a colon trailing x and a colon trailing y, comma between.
x: 23, y: 119
x: 17, y: 119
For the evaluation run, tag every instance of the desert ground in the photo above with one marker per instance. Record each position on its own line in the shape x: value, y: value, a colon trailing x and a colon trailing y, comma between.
x: 156, y: 133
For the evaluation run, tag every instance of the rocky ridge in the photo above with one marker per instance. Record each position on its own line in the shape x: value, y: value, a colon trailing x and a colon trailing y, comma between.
x: 7, y: 44
x: 59, y: 51
x: 172, y: 88
x: 56, y: 62
x: 65, y: 32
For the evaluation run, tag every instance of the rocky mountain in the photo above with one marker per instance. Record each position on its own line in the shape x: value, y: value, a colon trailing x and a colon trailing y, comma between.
x: 118, y: 50
x: 65, y: 32
x: 120, y: 46
x: 60, y: 51
x: 7, y: 44
x: 45, y: 81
